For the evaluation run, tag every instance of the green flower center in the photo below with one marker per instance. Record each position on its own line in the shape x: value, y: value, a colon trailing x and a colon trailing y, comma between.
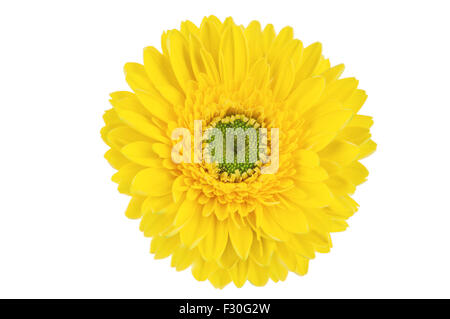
x: 239, y: 155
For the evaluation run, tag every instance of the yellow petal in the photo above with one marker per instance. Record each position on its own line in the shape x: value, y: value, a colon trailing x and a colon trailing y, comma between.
x: 221, y: 211
x: 318, y: 194
x: 160, y: 73
x: 186, y: 211
x: 293, y: 221
x: 331, y: 167
x: 340, y: 186
x: 287, y: 256
x: 271, y: 227
x: 322, y: 66
x: 143, y: 126
x: 239, y: 273
x: 210, y: 37
x: 156, y: 105
x: 277, y: 270
x: 110, y: 117
x: 302, y: 266
x: 332, y: 74
x: 342, y: 152
x: 163, y: 150
x: 141, y: 153
x: 210, y: 66
x: 123, y: 135
x: 343, y: 206
x: 233, y: 55
x: 213, y: 245
x: 156, y: 224
x: 179, y: 58
x: 338, y: 225
x: 198, y: 66
x: 324, y: 107
x: 195, y: 229
x: 202, y: 269
x: 229, y: 257
x: 340, y: 90
x: 152, y: 182
x: 255, y: 41
x: 192, y: 194
x: 311, y: 57
x: 362, y: 121
x: 262, y: 251
x: 216, y: 21
x: 187, y: 28
x: 165, y: 44
x: 268, y: 36
x: 330, y: 122
x: 178, y: 188
x: 164, y: 247
x: 115, y: 159
x: 134, y: 208
x: 220, y: 278
x: 355, y: 135
x: 284, y: 80
x: 156, y: 204
x: 182, y: 258
x: 125, y: 100
x: 241, y: 237
x: 319, y: 141
x: 311, y: 174
x: 307, y: 158
x: 228, y: 22
x: 202, y: 198
x: 257, y: 275
x: 306, y: 94
x: 356, y: 100
x: 260, y: 73
x: 366, y: 149
x: 125, y: 176
x: 146, y: 93
x: 301, y: 246
x: 136, y: 76
x: 281, y: 40
x: 209, y: 207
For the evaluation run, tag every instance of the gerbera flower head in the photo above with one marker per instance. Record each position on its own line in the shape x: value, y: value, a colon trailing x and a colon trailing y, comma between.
x: 230, y: 219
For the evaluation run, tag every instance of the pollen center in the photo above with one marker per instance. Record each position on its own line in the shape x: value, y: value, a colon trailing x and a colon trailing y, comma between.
x: 232, y: 145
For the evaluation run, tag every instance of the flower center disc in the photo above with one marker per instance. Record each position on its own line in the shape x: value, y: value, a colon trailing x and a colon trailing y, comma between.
x: 232, y: 145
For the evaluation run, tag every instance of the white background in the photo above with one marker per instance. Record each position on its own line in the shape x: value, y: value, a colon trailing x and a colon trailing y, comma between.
x: 63, y: 232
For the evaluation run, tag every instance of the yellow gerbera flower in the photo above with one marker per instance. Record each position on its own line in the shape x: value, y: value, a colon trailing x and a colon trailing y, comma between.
x: 228, y: 220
